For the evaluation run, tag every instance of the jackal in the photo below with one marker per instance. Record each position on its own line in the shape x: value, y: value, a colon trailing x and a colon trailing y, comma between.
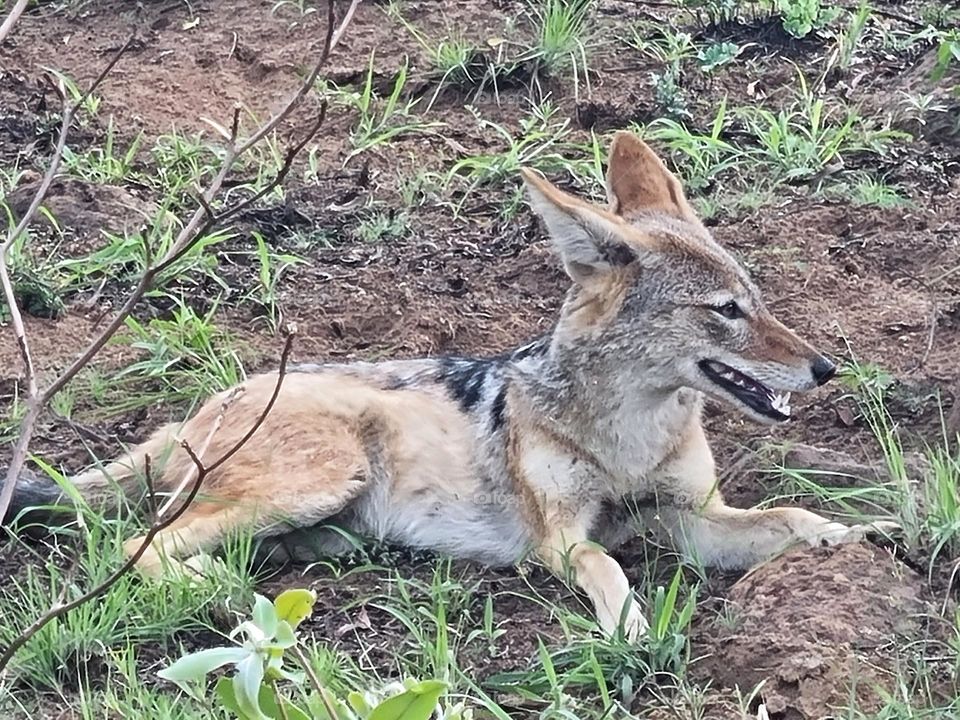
x: 539, y: 449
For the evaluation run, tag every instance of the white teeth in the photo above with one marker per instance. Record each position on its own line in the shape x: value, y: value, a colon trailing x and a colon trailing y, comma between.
x: 781, y: 403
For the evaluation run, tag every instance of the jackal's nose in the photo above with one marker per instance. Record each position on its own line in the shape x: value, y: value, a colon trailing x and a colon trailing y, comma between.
x: 823, y: 370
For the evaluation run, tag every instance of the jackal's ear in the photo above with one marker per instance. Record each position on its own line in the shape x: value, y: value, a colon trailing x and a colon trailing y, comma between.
x: 638, y: 180
x: 590, y: 239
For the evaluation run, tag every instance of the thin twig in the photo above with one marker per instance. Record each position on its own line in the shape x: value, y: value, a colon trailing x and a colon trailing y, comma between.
x: 934, y: 314
x: 284, y: 357
x: 279, y: 697
x: 214, y: 427
x: 314, y: 680
x: 15, y: 12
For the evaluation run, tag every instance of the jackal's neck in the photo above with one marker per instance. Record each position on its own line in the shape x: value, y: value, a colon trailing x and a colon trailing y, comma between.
x: 595, y: 392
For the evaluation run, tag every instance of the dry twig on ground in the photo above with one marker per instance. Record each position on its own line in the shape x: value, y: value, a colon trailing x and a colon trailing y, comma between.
x: 15, y: 12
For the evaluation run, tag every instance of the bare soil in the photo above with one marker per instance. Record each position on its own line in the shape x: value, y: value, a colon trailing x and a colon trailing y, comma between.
x: 852, y: 279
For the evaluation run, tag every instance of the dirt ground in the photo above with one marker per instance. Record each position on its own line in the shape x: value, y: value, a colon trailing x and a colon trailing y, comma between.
x: 854, y: 280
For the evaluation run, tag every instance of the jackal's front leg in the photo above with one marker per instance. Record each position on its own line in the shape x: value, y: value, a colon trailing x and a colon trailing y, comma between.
x: 713, y: 533
x: 723, y: 536
x: 566, y: 548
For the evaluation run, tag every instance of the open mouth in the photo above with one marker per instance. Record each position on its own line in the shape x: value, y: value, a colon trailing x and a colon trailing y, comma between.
x: 752, y: 393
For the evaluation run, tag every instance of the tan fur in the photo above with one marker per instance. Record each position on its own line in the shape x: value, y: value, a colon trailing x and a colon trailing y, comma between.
x: 541, y: 449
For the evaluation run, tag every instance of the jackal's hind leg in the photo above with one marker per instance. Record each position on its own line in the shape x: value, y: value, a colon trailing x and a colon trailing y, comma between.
x: 208, y: 523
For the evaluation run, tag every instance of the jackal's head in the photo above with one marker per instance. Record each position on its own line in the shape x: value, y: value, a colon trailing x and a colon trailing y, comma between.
x: 654, y: 294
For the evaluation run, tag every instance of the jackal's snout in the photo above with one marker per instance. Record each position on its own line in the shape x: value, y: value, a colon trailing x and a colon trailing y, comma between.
x: 823, y: 370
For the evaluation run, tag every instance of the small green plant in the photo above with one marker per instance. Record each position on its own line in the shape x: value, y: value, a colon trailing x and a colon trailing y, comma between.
x: 92, y: 102
x: 382, y: 120
x: 455, y: 59
x: 105, y: 164
x: 419, y: 187
x: 542, y: 143
x: 272, y: 267
x: 869, y: 190
x: 123, y: 258
x: 36, y: 293
x: 666, y: 640
x: 715, y: 55
x: 924, y: 500
x: 563, y: 30
x: 181, y: 163
x: 254, y: 691
x: 848, y: 39
x: 665, y: 45
x: 701, y: 158
x: 802, y: 17
x: 802, y: 140
x: 948, y: 52
x: 668, y: 92
x: 712, y: 12
x: 382, y: 225
x: 301, y: 9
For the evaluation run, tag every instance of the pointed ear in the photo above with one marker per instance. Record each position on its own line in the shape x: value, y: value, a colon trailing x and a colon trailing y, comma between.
x: 590, y: 240
x: 637, y: 180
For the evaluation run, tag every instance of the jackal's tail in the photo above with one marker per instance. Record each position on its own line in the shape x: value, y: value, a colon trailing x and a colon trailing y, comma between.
x: 101, y: 487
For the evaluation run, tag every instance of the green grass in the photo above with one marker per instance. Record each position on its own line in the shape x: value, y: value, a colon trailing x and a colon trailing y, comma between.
x: 381, y: 120
x: 544, y: 142
x: 919, y: 489
x: 810, y: 137
x: 133, y: 612
x: 563, y: 35
x: 107, y: 164
x: 187, y: 356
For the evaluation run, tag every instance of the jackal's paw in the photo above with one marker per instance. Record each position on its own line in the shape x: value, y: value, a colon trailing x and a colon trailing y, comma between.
x: 838, y: 534
x: 200, y: 567
x: 634, y: 624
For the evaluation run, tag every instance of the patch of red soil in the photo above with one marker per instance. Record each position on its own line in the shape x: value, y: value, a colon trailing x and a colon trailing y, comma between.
x: 817, y: 628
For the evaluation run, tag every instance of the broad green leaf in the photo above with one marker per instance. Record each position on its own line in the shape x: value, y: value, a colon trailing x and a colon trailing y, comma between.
x: 269, y: 705
x: 228, y: 698
x: 193, y: 668
x: 417, y: 703
x: 268, y: 702
x: 342, y: 712
x: 358, y: 702
x: 264, y: 616
x: 294, y: 605
x: 284, y: 637
x: 246, y: 686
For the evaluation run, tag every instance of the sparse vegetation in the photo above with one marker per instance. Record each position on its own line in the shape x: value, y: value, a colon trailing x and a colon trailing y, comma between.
x: 402, y: 230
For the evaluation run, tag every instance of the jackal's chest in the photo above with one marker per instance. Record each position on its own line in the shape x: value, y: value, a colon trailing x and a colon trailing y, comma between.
x: 636, y: 441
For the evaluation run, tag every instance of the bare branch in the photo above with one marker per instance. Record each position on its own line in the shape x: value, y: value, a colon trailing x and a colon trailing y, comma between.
x: 15, y: 12
x: 35, y: 403
x: 330, y: 42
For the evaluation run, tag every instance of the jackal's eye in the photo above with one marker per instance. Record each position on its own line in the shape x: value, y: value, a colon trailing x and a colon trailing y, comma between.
x: 729, y: 310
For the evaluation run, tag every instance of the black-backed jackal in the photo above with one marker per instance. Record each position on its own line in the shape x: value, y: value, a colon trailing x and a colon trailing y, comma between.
x: 539, y: 449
